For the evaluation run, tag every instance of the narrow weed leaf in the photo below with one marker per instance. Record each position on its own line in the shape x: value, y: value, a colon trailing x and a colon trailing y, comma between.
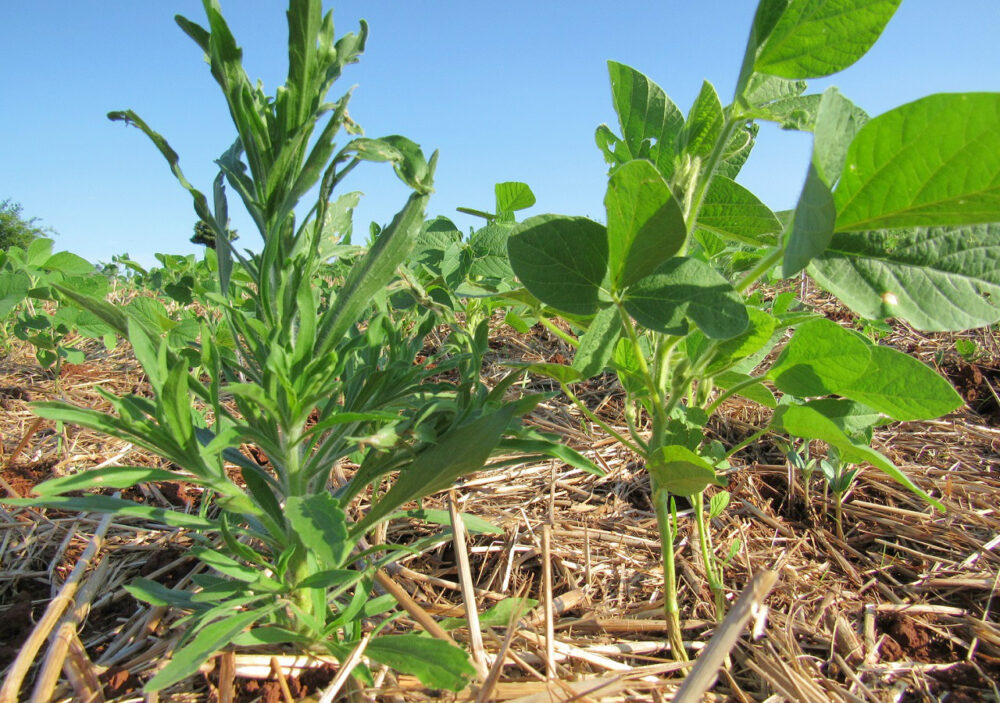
x: 436, y: 663
x: 935, y: 161
x: 117, y: 477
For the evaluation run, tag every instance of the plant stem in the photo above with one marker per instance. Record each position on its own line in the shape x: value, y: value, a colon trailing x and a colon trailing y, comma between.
x: 705, y: 542
x: 551, y: 327
x: 671, y: 609
x: 838, y: 512
x: 762, y: 267
x: 603, y: 425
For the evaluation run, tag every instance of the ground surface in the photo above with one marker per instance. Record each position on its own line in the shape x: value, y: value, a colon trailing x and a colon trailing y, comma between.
x: 904, y: 608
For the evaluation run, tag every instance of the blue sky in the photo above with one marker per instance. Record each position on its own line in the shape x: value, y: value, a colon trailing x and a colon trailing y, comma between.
x: 506, y: 91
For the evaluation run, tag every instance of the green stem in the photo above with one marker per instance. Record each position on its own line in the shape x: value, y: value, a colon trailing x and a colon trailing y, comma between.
x: 551, y: 327
x: 730, y: 392
x: 639, y: 450
x: 707, y: 171
x: 671, y: 608
x: 747, y: 442
x: 762, y: 267
x: 705, y: 542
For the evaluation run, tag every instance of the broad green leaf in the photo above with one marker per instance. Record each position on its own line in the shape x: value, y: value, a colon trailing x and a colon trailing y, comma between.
x: 109, y: 477
x: 68, y: 263
x: 935, y: 161
x: 757, y: 392
x: 436, y: 663
x: 650, y: 122
x: 682, y: 289
x: 806, y: 422
x: 598, y: 343
x: 838, y: 121
x: 854, y: 419
x: 937, y: 279
x: 812, y: 225
x: 902, y: 387
x: 558, y: 372
x: 733, y: 212
x: 765, y: 18
x: 512, y: 196
x: 185, y: 661
x: 14, y: 288
x: 703, y: 125
x: 39, y: 251
x: 645, y: 223
x: 814, y: 38
x: 562, y: 261
x: 321, y: 524
x: 117, y: 506
x: 820, y: 358
x: 678, y: 470
x: 758, y: 333
x: 738, y: 150
x: 504, y: 614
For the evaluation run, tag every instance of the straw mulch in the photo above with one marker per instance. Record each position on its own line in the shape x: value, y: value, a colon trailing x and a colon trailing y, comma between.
x: 904, y: 608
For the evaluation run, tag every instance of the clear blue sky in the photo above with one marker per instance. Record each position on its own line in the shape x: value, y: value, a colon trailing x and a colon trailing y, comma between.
x: 506, y: 91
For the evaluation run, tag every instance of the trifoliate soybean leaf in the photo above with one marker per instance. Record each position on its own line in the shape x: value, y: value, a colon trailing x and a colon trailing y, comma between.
x: 797, y: 112
x: 814, y: 38
x: 838, y: 121
x: 901, y: 386
x: 763, y: 90
x: 682, y: 289
x: 512, y: 196
x: 645, y: 222
x: 678, y: 470
x: 650, y: 122
x: 598, y: 343
x: 937, y: 279
x: 758, y: 333
x: 820, y: 358
x: 321, y: 524
x: 935, y: 161
x: 14, y: 287
x: 561, y: 260
x: 68, y: 263
x: 733, y: 212
x: 812, y: 225
x: 737, y: 150
x: 854, y: 419
x: 703, y: 125
x: 436, y: 663
x: 808, y: 423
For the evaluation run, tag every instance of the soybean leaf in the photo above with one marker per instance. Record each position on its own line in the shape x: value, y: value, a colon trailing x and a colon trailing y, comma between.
x: 733, y: 212
x: 14, y: 288
x: 185, y: 661
x: 737, y: 150
x: 503, y: 614
x: 687, y: 288
x: 806, y: 422
x: 854, y: 419
x: 814, y: 38
x: 703, y: 125
x: 558, y: 372
x: 935, y: 161
x: 436, y: 663
x: 645, y: 223
x: 838, y: 121
x: 901, y: 386
x: 678, y: 470
x: 650, y: 122
x: 321, y: 524
x: 562, y: 261
x: 812, y: 224
x: 473, y: 524
x: 512, y: 196
x: 820, y: 358
x: 598, y: 343
x: 68, y: 263
x: 937, y: 279
x: 757, y: 392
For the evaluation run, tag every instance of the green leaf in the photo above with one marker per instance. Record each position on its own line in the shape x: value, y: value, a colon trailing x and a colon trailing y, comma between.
x: 650, y: 122
x: 159, y: 595
x: 321, y: 524
x: 558, y: 372
x: 733, y: 212
x: 118, y: 506
x: 117, y: 477
x: 935, y: 161
x: 938, y: 279
x: 504, y: 614
x: 687, y: 288
x: 678, y: 470
x: 645, y: 223
x: 812, y: 225
x: 562, y: 261
x: 814, y: 38
x: 838, y: 121
x: 757, y: 392
x: 436, y: 663
x: 598, y: 343
x: 512, y: 196
x: 854, y: 419
x: 806, y: 422
x: 703, y: 125
x: 820, y: 358
x: 902, y: 387
x: 185, y: 661
x: 14, y: 289
x: 225, y: 564
x: 68, y: 263
x: 473, y: 524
